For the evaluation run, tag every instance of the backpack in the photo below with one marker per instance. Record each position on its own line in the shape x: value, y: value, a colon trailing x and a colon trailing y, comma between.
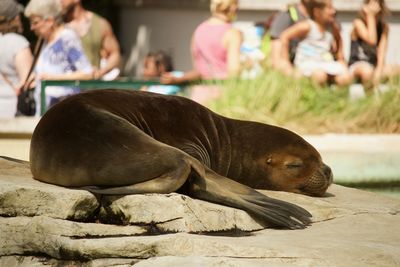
x: 266, y: 40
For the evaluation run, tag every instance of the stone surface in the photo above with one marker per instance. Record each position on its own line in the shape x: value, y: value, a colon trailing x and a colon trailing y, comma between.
x: 20, y: 195
x: 18, y: 125
x: 184, y: 214
x: 350, y: 228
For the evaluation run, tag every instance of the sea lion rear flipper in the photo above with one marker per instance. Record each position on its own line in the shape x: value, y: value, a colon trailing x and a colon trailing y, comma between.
x: 222, y: 190
x: 164, y: 184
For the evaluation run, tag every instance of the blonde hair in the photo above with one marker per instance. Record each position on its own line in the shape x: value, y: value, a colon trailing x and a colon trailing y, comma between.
x: 44, y: 9
x: 221, y: 6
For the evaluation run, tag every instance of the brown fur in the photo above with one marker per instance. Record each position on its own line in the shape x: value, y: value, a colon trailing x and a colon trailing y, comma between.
x: 127, y: 142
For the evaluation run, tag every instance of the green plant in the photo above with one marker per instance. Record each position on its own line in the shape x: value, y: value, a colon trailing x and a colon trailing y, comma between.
x: 301, y: 106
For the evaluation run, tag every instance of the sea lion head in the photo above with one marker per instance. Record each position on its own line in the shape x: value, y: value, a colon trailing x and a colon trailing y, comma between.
x: 291, y: 164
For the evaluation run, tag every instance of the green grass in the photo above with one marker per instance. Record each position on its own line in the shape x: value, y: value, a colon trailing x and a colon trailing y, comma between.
x: 306, y: 108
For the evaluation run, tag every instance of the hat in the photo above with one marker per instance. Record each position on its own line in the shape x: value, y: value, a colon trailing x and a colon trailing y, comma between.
x: 9, y: 9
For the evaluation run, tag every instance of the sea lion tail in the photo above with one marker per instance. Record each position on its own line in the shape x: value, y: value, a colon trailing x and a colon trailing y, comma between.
x: 275, y: 213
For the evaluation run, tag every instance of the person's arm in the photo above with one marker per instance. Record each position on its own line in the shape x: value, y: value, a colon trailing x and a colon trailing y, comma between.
x: 297, y: 31
x: 381, y: 54
x: 234, y: 40
x: 23, y: 61
x: 111, y: 47
x: 281, y: 22
x: 189, y: 76
x: 367, y: 31
x: 276, y: 51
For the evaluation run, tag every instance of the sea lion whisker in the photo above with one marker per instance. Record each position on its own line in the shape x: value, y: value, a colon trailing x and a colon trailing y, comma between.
x: 197, y: 151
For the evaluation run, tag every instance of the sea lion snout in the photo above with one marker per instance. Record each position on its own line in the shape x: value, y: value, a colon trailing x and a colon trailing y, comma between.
x: 328, y: 173
x: 319, y: 182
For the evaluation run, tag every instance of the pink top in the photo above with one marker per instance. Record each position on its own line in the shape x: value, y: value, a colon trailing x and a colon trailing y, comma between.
x: 210, y: 57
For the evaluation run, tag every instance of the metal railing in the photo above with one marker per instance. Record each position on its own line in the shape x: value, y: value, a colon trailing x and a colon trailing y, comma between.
x: 123, y: 83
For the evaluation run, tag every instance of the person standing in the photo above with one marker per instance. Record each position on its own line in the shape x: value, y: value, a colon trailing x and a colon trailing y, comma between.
x: 15, y: 57
x: 96, y: 34
x: 215, y: 51
x: 62, y: 56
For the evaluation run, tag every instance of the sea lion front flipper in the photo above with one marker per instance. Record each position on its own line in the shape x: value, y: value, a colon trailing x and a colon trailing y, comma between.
x: 215, y: 188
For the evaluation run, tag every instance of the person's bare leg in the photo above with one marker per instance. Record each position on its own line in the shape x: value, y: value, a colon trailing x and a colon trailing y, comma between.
x: 343, y: 79
x: 365, y: 73
x: 319, y: 77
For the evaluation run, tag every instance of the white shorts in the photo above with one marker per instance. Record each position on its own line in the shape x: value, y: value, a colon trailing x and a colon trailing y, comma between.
x: 330, y: 67
x: 357, y: 64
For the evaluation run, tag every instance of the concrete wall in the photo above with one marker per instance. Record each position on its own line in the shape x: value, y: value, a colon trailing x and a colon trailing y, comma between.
x: 171, y: 29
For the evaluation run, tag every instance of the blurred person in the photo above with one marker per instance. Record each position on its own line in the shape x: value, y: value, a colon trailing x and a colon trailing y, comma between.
x: 369, y: 39
x: 113, y: 73
x: 314, y: 56
x: 283, y: 20
x: 15, y: 57
x: 96, y: 35
x: 215, y: 51
x: 155, y: 65
x: 62, y: 56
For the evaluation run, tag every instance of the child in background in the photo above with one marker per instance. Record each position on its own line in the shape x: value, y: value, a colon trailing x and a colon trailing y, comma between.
x: 157, y: 64
x: 369, y: 39
x: 314, y: 54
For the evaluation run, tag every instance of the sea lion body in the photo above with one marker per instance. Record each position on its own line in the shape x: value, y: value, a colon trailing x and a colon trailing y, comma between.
x: 127, y: 142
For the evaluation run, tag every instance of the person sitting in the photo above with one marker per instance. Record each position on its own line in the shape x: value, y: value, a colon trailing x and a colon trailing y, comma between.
x: 62, y: 56
x: 281, y: 21
x: 15, y: 57
x: 155, y: 65
x: 215, y: 51
x: 96, y: 35
x: 369, y: 38
x: 314, y: 57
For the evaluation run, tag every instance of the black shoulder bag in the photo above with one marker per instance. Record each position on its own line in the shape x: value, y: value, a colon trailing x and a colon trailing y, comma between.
x: 26, y: 105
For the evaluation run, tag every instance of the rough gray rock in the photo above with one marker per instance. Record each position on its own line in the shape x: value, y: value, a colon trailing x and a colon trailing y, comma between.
x: 20, y: 195
x: 350, y: 228
x: 184, y: 214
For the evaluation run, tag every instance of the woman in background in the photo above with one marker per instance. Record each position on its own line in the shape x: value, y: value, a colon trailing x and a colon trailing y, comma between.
x: 369, y: 39
x: 215, y: 51
x: 62, y: 57
x: 15, y: 57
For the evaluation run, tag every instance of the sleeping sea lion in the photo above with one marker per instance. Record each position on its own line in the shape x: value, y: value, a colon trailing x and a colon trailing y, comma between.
x: 133, y: 142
